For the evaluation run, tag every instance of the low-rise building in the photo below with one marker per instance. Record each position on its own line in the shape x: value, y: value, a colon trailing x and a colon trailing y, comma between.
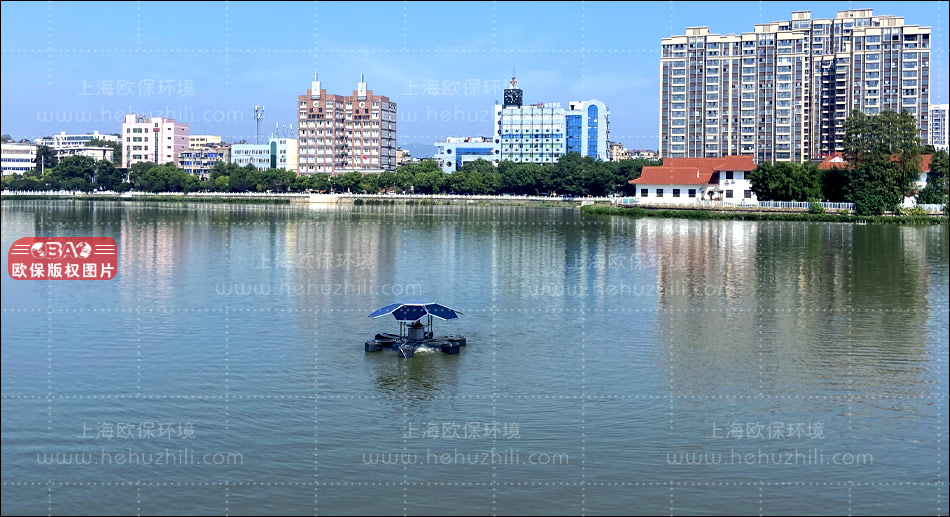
x: 18, y: 158
x: 456, y: 151
x: 257, y: 155
x: 403, y: 156
x: 96, y: 153
x: 199, y: 161
x: 71, y: 141
x: 278, y: 153
x: 681, y: 181
x: 617, y: 152
x: 199, y: 141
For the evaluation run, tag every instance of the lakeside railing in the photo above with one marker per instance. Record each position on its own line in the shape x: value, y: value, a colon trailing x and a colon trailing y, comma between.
x: 797, y: 205
x: 627, y: 201
x: 304, y: 194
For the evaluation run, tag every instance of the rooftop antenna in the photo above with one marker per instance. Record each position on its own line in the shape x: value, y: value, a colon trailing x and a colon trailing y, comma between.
x: 258, y: 115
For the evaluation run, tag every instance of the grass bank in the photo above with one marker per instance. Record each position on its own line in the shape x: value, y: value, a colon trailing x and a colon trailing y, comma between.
x: 468, y: 202
x: 636, y: 211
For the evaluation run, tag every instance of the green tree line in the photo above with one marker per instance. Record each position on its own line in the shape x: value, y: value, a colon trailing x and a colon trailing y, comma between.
x: 571, y: 175
x: 883, y: 154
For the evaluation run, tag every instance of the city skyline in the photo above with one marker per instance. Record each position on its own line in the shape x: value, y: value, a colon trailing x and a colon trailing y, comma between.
x: 446, y: 77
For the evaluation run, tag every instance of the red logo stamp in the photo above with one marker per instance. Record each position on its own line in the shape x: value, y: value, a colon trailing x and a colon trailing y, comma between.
x: 63, y: 258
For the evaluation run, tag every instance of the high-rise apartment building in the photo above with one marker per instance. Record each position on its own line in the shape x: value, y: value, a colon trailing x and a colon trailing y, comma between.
x: 783, y: 92
x: 156, y: 139
x: 342, y: 133
x: 939, y: 138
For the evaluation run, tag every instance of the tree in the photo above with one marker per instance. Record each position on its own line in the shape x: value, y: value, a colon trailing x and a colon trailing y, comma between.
x: 937, y: 180
x: 428, y: 178
x: 45, y: 157
x: 163, y: 178
x: 476, y: 177
x: 116, y: 148
x: 107, y: 176
x: 6, y: 138
x: 786, y: 181
x: 883, y: 154
x: 349, y: 182
x: 244, y: 179
x: 319, y: 182
x: 368, y: 184
x: 222, y: 184
x: 834, y: 184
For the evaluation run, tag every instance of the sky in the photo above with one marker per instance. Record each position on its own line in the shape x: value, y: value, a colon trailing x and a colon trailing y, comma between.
x: 80, y: 66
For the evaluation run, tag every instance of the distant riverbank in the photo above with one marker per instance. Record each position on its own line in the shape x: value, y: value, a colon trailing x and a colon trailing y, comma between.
x: 144, y: 199
x: 286, y: 198
x: 751, y: 215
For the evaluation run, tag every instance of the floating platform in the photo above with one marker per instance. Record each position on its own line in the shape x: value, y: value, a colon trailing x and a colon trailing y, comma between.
x: 405, y: 347
x: 413, y: 333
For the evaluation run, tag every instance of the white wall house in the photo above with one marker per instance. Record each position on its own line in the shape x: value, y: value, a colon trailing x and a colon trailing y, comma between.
x: 684, y: 181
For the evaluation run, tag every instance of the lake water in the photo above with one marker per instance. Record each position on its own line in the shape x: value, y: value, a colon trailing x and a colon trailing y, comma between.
x: 614, y: 365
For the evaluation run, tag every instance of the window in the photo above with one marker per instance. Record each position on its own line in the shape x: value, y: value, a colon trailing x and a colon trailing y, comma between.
x: 728, y: 194
x: 747, y: 194
x: 728, y: 175
x: 644, y: 192
x: 676, y: 192
x: 659, y: 192
x: 692, y: 192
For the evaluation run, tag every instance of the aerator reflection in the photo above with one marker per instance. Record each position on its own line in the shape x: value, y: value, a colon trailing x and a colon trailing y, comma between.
x: 413, y: 332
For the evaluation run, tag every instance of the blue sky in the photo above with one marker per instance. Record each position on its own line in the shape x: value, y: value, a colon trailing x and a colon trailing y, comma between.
x: 79, y: 66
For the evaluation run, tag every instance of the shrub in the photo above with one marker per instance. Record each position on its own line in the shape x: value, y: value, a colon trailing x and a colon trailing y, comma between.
x: 814, y: 207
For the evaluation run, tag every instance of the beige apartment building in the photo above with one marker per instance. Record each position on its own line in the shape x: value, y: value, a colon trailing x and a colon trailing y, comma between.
x: 783, y: 91
x: 342, y: 133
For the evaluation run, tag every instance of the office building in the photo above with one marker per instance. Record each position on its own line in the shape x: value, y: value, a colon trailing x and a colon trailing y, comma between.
x: 71, y: 141
x: 156, y: 139
x: 18, y: 158
x: 783, y: 91
x: 543, y: 132
x: 342, y: 133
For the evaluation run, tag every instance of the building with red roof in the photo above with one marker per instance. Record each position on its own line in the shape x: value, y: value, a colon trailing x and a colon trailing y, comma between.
x: 689, y: 180
x: 837, y: 161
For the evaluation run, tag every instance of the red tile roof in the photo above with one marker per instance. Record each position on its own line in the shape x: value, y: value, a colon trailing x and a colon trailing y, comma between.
x: 836, y: 161
x: 692, y: 171
x: 833, y: 161
x: 672, y: 176
x: 736, y: 163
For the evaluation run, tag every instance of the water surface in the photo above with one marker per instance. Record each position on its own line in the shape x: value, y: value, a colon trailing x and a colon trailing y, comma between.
x: 615, y: 365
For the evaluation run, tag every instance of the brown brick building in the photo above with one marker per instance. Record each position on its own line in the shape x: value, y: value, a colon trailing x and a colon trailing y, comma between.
x: 342, y: 133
